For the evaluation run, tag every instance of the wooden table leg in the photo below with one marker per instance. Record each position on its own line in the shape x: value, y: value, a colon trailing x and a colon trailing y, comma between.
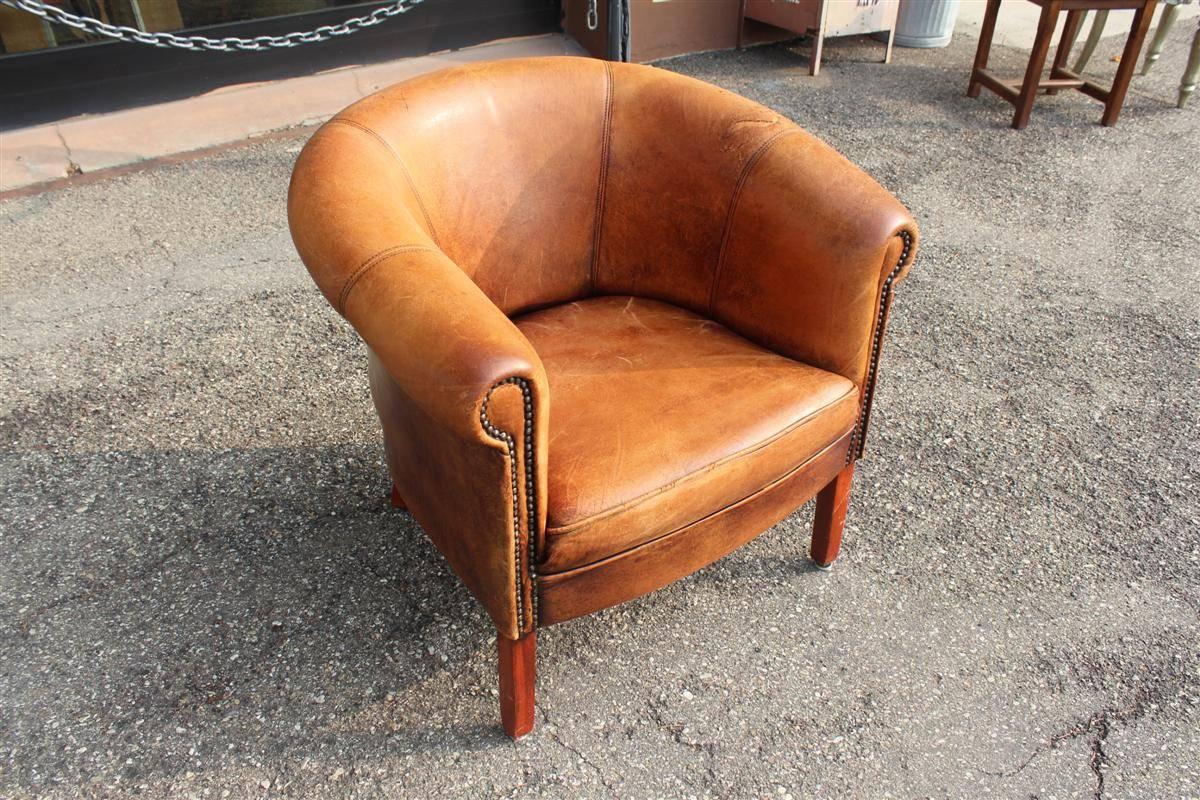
x: 1037, y: 60
x: 1093, y: 38
x: 1069, y: 34
x: 1160, y: 37
x: 818, y: 45
x: 984, y: 47
x: 1191, y: 74
x: 1137, y: 34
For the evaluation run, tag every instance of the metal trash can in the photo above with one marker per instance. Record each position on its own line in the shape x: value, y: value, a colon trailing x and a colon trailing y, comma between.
x: 926, y: 23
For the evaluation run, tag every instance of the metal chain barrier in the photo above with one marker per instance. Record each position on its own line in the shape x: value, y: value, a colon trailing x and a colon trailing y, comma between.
x: 197, y: 43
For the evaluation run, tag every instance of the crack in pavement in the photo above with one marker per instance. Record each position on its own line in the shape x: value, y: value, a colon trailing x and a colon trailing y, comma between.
x: 547, y: 729
x: 707, y: 749
x: 73, y: 167
x: 1097, y: 726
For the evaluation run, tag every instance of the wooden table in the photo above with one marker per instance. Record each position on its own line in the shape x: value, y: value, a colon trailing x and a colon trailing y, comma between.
x: 1021, y: 93
x: 825, y: 18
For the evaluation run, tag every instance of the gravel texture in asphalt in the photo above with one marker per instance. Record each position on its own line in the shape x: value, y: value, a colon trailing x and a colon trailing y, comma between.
x: 204, y: 591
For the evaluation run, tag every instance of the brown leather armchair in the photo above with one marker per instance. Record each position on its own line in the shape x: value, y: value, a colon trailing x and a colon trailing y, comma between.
x: 619, y: 323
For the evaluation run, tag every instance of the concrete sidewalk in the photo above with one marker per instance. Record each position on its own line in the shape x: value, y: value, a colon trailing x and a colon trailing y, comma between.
x: 1018, y: 21
x: 85, y: 144
x: 205, y: 594
x: 33, y: 156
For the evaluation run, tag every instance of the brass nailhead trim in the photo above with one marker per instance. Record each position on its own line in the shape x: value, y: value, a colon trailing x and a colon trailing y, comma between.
x: 858, y: 443
x: 530, y: 494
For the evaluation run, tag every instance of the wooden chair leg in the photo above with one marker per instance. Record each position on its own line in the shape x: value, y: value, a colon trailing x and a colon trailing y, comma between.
x: 1065, y: 43
x: 517, y: 669
x: 1191, y: 74
x: 1160, y: 37
x: 984, y: 47
x: 830, y: 518
x: 1037, y: 60
x: 1133, y: 46
x: 397, y: 500
x: 1093, y: 38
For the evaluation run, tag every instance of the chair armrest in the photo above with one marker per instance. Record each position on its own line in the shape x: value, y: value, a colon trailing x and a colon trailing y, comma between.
x: 813, y: 248
x: 458, y: 387
x: 359, y: 229
x: 462, y: 398
x: 441, y: 339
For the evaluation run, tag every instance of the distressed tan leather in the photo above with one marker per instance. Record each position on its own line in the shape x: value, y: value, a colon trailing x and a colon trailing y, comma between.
x: 698, y: 418
x: 611, y: 311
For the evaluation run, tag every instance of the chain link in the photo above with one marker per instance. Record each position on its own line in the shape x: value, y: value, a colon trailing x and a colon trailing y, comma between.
x: 197, y: 43
x: 593, y: 17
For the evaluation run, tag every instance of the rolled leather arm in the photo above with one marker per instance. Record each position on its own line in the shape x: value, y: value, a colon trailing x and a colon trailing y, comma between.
x: 813, y: 249
x: 440, y: 338
x: 461, y: 392
x: 462, y: 398
x: 360, y: 230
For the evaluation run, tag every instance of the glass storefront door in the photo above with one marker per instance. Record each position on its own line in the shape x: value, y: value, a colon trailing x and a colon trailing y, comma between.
x: 21, y: 32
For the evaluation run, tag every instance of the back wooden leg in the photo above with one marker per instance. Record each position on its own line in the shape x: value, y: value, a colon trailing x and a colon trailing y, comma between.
x: 1037, y: 60
x: 984, y: 48
x: 397, y: 500
x: 830, y: 518
x: 517, y: 668
x: 1069, y: 35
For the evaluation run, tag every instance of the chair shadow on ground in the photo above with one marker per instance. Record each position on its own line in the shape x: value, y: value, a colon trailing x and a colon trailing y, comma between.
x: 202, y: 609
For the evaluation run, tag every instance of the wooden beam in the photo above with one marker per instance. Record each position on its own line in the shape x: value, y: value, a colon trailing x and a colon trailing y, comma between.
x: 1088, y: 87
x: 1052, y: 83
x: 996, y: 85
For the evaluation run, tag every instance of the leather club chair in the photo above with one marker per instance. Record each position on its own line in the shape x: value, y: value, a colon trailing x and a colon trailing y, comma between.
x: 619, y: 322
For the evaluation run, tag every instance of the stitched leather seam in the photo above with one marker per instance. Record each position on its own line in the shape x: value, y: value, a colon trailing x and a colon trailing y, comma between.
x: 602, y: 183
x: 403, y: 168
x: 858, y: 444
x: 747, y: 168
x: 530, y: 496
x: 565, y: 530
x: 553, y: 578
x: 363, y: 268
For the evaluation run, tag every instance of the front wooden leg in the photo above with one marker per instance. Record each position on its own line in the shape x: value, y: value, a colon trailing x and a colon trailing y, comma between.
x: 517, y: 668
x: 830, y: 518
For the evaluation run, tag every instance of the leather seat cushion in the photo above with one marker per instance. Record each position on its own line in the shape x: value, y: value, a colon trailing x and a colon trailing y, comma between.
x: 660, y: 417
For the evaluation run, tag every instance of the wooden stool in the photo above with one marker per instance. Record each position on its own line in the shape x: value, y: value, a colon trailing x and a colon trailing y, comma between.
x: 1021, y: 93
